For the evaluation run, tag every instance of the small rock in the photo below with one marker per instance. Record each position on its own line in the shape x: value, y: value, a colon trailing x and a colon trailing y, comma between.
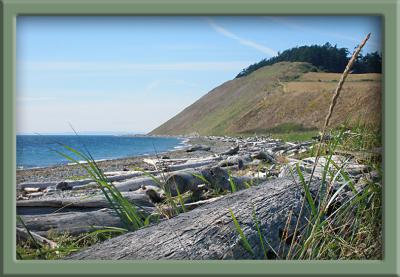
x: 50, y: 189
x: 235, y: 160
x: 198, y: 148
x: 154, y: 196
x: 63, y: 186
x: 264, y: 156
x: 240, y: 164
x: 231, y: 151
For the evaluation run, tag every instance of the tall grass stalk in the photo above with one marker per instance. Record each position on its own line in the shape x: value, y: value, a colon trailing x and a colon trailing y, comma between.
x: 344, y: 232
x: 129, y: 214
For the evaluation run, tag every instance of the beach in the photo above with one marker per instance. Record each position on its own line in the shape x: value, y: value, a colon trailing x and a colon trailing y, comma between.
x: 189, y: 191
x: 62, y: 172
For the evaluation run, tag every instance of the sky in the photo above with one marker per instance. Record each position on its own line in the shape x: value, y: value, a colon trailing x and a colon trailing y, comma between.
x: 129, y: 74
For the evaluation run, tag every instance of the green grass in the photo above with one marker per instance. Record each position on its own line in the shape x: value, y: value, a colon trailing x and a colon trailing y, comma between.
x: 243, y: 238
x: 295, y: 136
x: 347, y: 230
x: 78, y: 177
x: 66, y: 244
x: 351, y: 230
x: 129, y: 214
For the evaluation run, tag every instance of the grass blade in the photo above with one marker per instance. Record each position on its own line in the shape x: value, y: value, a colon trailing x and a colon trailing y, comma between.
x: 307, y: 191
x: 245, y: 242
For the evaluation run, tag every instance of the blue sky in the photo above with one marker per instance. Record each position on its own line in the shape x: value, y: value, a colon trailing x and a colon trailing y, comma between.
x: 131, y: 74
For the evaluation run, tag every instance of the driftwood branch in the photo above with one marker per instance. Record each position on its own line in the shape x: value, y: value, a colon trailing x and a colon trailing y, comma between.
x: 23, y: 236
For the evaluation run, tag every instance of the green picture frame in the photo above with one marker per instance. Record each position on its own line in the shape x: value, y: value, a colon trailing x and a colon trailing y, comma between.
x: 388, y: 9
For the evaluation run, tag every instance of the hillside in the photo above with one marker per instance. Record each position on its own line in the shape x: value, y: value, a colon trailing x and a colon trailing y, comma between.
x: 281, y: 96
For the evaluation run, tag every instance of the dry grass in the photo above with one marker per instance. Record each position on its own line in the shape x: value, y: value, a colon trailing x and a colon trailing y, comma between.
x: 275, y: 95
x: 334, y: 77
x: 305, y: 103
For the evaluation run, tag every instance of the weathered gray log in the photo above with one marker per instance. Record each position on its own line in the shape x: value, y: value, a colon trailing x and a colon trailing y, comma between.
x: 194, y: 164
x: 135, y: 184
x: 91, y: 202
x: 74, y: 223
x: 208, y: 232
x: 300, y: 145
x: 39, y: 185
x: 23, y: 236
x: 74, y: 183
x: 194, y: 205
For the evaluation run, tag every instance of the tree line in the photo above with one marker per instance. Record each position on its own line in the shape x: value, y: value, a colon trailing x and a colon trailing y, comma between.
x: 326, y: 58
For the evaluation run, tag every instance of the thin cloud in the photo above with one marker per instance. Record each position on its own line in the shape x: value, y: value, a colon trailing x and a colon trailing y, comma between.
x: 290, y: 24
x: 30, y: 99
x: 262, y: 48
x: 105, y: 66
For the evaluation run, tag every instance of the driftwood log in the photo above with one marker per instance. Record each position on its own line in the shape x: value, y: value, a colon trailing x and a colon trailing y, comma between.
x: 208, y: 232
x: 77, y: 204
x: 83, y: 221
x: 117, y: 177
x: 74, y: 223
x: 135, y: 184
x: 194, y: 164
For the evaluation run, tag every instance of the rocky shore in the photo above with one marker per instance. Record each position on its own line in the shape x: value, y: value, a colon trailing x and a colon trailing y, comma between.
x: 62, y: 172
x: 64, y: 199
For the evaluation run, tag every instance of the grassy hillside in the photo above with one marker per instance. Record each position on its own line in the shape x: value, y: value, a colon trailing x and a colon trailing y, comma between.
x: 278, y: 98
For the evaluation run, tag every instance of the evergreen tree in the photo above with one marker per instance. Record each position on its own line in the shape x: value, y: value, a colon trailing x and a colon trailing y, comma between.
x: 326, y: 57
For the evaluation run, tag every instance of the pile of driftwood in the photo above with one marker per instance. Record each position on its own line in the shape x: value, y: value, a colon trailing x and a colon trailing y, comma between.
x: 206, y: 230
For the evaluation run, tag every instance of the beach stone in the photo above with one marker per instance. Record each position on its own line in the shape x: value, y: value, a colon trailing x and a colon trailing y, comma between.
x: 240, y: 164
x: 236, y: 160
x: 231, y: 151
x: 51, y: 189
x: 63, y: 186
x: 198, y: 147
x: 217, y: 177
x: 155, y: 196
x: 182, y: 182
x: 265, y: 157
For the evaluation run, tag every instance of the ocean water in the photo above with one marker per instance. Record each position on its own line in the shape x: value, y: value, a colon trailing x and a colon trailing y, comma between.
x: 38, y: 150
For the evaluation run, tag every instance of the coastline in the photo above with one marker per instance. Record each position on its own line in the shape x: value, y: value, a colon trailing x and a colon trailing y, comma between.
x: 68, y: 171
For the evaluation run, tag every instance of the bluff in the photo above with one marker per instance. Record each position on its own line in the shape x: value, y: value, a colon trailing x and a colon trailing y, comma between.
x: 285, y: 95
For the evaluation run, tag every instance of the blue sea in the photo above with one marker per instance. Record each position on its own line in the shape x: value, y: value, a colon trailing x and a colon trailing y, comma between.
x: 38, y: 150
